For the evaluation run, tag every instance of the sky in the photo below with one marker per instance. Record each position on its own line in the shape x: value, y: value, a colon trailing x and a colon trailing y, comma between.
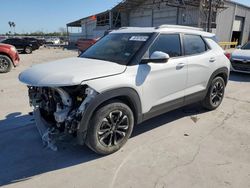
x: 50, y: 15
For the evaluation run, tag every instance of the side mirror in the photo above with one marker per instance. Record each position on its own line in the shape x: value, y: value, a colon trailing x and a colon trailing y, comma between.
x: 157, y: 57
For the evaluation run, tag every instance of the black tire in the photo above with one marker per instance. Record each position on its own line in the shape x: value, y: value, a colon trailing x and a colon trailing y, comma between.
x: 28, y: 50
x: 110, y: 128
x: 5, y: 64
x: 215, y: 94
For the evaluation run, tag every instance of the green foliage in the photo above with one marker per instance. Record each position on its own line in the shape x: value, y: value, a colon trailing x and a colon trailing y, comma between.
x: 39, y: 34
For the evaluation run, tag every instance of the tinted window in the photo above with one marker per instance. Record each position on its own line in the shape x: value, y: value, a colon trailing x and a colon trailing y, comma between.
x: 168, y: 43
x: 11, y: 40
x: 7, y: 40
x: 194, y: 44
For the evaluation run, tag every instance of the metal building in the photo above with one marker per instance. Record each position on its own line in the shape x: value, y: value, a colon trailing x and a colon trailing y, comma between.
x: 206, y: 14
x: 233, y: 23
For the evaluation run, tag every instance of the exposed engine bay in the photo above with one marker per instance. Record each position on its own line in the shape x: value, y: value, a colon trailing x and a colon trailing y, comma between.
x: 61, y: 109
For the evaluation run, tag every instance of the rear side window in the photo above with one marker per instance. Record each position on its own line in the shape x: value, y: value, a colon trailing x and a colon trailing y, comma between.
x: 168, y: 43
x: 194, y: 44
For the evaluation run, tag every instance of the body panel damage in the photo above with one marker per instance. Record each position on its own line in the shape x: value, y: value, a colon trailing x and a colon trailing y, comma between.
x: 58, y: 111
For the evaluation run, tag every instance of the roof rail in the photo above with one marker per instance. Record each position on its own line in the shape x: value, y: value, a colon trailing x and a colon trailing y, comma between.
x: 179, y: 27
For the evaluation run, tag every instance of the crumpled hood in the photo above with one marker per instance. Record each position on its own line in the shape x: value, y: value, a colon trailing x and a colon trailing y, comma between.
x: 241, y: 54
x: 69, y: 72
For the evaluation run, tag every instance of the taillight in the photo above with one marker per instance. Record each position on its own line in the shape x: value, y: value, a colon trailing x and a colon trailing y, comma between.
x: 228, y: 55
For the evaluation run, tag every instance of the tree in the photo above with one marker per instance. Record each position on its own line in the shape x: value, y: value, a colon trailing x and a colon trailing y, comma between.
x: 12, y: 24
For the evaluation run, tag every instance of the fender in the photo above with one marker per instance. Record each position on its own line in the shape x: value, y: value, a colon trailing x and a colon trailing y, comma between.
x: 222, y: 70
x: 130, y: 94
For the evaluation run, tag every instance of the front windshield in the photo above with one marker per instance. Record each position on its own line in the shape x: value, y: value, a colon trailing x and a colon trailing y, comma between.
x: 246, y: 46
x: 117, y: 47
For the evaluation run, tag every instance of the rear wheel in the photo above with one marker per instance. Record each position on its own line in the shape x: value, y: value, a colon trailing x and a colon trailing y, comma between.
x: 215, y: 94
x: 110, y: 128
x: 5, y: 64
x: 28, y: 50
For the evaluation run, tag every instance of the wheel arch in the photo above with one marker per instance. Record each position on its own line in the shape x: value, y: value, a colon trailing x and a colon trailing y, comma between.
x: 127, y: 95
x: 222, y: 72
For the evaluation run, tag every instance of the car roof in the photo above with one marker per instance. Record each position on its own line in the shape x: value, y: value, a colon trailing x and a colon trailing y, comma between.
x: 165, y: 29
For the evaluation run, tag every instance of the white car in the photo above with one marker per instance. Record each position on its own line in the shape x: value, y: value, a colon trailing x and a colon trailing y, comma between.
x: 127, y: 77
x: 240, y: 59
x: 54, y: 41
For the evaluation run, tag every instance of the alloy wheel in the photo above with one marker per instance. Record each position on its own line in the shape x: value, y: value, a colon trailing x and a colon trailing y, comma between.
x: 3, y: 64
x: 217, y: 93
x: 113, y: 128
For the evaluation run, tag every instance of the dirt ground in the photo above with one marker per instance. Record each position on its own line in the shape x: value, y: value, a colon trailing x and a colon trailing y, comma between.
x: 185, y: 148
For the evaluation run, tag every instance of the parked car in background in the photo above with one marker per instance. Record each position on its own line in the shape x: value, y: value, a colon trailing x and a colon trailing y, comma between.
x: 125, y: 78
x: 48, y: 41
x: 36, y: 45
x: 2, y: 38
x: 83, y: 44
x: 21, y: 45
x: 8, y: 57
x: 240, y: 59
x: 54, y: 41
x: 41, y: 41
x: 35, y: 40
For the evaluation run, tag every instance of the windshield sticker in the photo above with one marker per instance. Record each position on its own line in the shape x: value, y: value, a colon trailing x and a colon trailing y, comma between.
x: 139, y: 38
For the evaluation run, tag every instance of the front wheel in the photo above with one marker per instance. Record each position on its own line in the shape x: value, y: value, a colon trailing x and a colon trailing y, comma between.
x: 215, y: 94
x: 5, y: 64
x: 110, y: 128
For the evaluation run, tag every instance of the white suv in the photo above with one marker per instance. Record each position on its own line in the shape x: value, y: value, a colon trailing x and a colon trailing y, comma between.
x: 127, y: 77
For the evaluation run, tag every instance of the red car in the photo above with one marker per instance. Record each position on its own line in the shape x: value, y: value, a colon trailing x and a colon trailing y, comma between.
x: 8, y: 57
x: 83, y: 44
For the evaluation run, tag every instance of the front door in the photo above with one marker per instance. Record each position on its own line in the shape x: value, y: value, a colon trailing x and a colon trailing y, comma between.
x: 165, y: 83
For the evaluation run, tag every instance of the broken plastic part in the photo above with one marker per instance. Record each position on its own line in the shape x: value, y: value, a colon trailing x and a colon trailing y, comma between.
x: 45, y: 131
x: 91, y: 93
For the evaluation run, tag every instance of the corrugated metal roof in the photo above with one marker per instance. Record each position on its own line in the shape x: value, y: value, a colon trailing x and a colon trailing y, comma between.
x: 131, y: 4
x: 77, y: 23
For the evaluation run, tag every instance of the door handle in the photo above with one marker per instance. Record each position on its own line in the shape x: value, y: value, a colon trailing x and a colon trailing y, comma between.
x: 180, y: 66
x: 212, y: 59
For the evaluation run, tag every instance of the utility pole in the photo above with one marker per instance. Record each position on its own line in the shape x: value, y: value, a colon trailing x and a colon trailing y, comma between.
x: 209, y: 16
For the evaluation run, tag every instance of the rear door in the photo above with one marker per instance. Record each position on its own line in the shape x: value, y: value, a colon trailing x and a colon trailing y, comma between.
x: 165, y: 83
x: 200, y: 61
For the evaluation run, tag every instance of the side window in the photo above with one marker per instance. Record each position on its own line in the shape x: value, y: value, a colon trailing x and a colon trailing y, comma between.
x: 194, y: 44
x: 7, y: 41
x: 168, y: 43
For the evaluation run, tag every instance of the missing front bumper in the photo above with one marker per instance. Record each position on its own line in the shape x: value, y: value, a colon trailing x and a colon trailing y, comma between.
x: 46, y: 131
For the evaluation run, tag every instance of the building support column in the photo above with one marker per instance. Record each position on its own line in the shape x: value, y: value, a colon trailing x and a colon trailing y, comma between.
x: 110, y: 20
x: 209, y: 16
x: 152, y: 18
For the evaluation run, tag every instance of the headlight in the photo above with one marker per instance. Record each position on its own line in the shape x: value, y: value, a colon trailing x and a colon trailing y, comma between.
x: 13, y: 49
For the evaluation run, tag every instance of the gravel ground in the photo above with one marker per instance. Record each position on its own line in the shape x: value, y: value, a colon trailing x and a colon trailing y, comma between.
x: 188, y: 147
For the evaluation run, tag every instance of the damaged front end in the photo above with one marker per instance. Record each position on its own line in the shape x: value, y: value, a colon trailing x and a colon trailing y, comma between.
x: 58, y: 111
